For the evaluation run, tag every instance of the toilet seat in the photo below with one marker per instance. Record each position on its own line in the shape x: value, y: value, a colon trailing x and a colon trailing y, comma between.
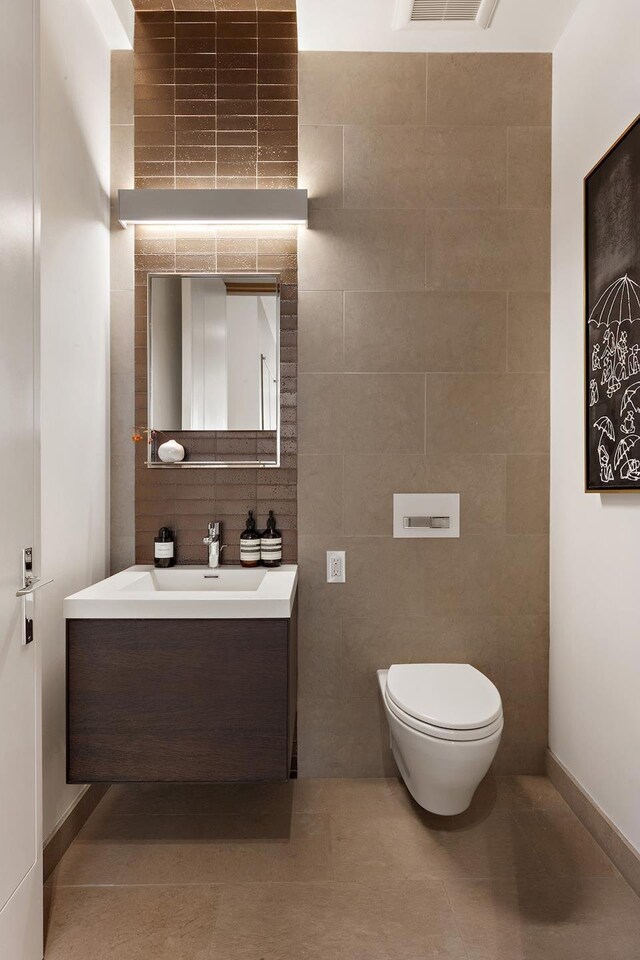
x: 448, y: 701
x: 443, y: 733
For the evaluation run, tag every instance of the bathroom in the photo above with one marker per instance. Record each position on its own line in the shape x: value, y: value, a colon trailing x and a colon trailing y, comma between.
x: 342, y: 665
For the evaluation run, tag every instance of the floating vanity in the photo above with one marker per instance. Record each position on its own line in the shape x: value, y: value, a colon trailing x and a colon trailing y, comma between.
x: 185, y: 674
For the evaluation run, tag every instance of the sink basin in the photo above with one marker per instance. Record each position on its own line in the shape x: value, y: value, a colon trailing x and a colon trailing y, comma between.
x: 200, y: 578
x: 195, y: 593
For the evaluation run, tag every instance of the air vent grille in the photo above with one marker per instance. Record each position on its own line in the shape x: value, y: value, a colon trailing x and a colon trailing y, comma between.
x: 451, y: 10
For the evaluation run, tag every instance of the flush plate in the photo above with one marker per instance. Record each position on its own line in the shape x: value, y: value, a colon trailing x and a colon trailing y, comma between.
x: 426, y: 515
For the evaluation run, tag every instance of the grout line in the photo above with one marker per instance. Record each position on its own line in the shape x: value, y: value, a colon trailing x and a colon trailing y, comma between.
x: 438, y: 292
x: 454, y: 918
x: 508, y: 158
x: 426, y: 413
x: 342, y: 190
x: 426, y: 250
x: 344, y: 331
x: 421, y: 373
x: 505, y: 517
x: 344, y: 487
x: 426, y: 92
x: 508, y: 331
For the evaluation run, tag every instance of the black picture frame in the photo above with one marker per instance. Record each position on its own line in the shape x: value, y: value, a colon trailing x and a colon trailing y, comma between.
x: 612, y: 317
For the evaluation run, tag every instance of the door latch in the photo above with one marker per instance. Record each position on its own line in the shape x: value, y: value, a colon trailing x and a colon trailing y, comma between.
x: 27, y: 593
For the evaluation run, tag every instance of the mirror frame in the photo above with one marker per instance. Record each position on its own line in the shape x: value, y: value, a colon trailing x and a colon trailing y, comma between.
x: 155, y: 464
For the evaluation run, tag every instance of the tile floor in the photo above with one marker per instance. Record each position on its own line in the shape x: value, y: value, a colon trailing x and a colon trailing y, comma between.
x: 337, y: 870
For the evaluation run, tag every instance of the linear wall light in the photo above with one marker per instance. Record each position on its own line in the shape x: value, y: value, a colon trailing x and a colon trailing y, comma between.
x: 213, y: 206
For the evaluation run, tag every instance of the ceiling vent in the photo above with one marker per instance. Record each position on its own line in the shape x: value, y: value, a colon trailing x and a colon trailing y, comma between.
x: 444, y: 13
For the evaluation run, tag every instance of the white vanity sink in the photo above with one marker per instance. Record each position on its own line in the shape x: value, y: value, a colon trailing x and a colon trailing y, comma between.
x: 223, y: 579
x: 144, y: 592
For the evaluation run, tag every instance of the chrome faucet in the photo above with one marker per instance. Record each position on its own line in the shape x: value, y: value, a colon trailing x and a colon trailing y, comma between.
x: 213, y: 541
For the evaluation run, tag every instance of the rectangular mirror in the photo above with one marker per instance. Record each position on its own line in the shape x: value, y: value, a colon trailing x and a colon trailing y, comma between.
x: 214, y: 368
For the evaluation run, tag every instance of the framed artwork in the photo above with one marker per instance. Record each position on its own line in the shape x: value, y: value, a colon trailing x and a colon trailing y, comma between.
x: 612, y: 297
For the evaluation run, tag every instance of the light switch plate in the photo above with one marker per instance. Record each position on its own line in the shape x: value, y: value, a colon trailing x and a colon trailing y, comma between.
x: 426, y: 515
x: 336, y: 566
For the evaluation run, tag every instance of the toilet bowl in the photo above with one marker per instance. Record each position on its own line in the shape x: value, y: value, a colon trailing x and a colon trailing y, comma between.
x: 445, y: 722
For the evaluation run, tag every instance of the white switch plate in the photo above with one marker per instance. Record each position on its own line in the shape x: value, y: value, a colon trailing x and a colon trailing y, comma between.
x: 336, y: 566
x: 423, y: 505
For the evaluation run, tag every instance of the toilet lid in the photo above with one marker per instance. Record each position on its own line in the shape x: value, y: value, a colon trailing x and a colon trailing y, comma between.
x: 451, y: 695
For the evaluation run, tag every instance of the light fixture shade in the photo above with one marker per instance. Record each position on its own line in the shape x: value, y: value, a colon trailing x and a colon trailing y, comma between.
x: 213, y: 206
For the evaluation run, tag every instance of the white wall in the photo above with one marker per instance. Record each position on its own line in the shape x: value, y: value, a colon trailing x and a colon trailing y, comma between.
x: 595, y: 540
x: 74, y: 149
x: 518, y: 25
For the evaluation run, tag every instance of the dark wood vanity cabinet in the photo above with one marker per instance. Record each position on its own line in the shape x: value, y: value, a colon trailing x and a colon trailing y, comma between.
x: 180, y: 700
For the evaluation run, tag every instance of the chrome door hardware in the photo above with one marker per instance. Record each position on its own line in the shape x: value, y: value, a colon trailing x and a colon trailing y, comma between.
x: 27, y: 593
x: 34, y: 584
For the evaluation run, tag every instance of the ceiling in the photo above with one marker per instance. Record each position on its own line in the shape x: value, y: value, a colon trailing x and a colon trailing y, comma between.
x: 518, y: 25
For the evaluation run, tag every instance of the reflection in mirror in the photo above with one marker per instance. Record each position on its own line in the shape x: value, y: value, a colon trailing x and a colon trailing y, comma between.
x: 213, y: 360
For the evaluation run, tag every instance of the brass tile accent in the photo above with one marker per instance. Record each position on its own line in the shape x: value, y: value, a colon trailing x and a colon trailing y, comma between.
x: 216, y: 107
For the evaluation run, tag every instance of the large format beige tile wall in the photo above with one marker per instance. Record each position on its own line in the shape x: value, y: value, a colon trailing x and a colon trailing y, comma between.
x: 423, y: 359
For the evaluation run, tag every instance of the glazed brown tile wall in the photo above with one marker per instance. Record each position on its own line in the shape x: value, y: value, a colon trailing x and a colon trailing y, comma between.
x: 424, y: 362
x: 210, y: 6
x: 216, y: 106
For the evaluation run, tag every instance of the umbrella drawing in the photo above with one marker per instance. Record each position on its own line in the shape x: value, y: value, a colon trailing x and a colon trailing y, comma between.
x: 629, y: 408
x: 629, y: 399
x: 629, y: 467
x: 605, y: 426
x: 618, y: 305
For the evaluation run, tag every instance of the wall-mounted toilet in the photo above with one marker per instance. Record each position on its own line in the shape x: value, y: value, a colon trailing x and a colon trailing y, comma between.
x: 445, y: 721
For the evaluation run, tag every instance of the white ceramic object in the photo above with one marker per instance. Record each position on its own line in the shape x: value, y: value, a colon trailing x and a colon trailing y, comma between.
x: 171, y: 452
x: 189, y: 593
x: 445, y: 724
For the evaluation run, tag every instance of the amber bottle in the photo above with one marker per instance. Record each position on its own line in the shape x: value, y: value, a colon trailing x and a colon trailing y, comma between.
x: 250, y: 543
x: 271, y: 544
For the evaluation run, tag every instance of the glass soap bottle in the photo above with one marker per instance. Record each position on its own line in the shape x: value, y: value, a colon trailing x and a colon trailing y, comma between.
x: 250, y: 543
x: 164, y: 553
x: 271, y: 544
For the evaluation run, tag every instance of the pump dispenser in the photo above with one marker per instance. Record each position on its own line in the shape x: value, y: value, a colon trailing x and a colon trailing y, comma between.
x: 271, y: 544
x: 250, y: 543
x: 164, y: 554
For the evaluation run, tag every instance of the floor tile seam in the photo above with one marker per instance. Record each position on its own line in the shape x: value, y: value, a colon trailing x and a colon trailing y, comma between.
x: 213, y: 816
x: 66, y: 885
x: 383, y: 883
x: 456, y: 922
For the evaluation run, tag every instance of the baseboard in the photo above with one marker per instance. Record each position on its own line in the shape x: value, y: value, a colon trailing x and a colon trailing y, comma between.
x: 617, y: 847
x: 70, y: 826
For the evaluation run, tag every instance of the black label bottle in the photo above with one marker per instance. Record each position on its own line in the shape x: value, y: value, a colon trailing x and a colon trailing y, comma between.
x: 250, y: 544
x: 271, y: 544
x: 164, y: 554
